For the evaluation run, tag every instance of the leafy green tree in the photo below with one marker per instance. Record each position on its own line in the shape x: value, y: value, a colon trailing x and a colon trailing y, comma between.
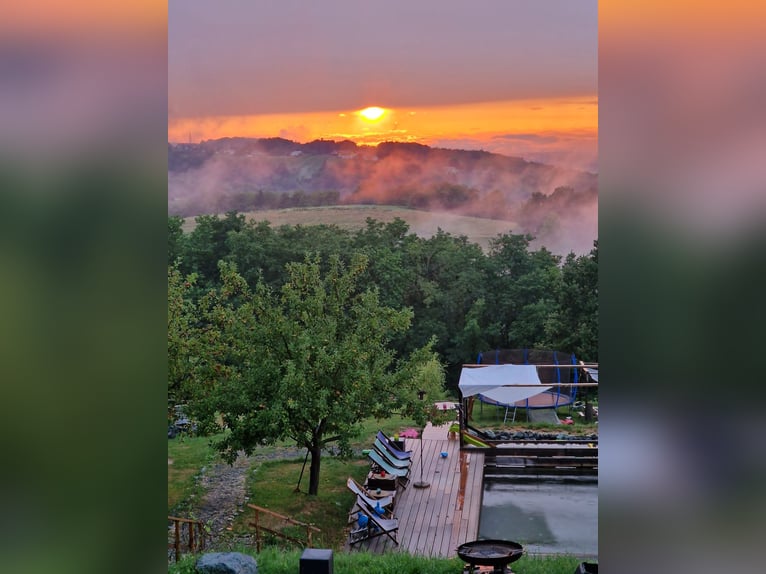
x: 206, y: 245
x: 175, y: 238
x: 449, y: 278
x: 181, y: 339
x: 524, y: 288
x: 387, y: 246
x: 305, y: 363
x: 574, y: 327
x: 468, y: 299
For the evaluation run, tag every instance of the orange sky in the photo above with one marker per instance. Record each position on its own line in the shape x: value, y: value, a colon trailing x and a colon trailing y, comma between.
x: 87, y: 17
x: 564, y: 124
x: 514, y: 78
x: 420, y: 124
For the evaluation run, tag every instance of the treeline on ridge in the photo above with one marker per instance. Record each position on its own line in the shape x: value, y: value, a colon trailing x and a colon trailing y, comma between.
x: 507, y: 297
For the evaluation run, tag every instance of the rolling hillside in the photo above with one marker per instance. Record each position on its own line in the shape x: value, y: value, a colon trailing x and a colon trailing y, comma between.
x: 556, y: 205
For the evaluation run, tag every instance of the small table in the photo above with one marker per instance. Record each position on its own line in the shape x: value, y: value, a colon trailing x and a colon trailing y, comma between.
x: 375, y: 495
x: 375, y: 481
x: 398, y: 444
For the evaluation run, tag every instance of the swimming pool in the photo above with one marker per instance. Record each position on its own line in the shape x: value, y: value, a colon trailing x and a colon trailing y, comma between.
x: 547, y: 516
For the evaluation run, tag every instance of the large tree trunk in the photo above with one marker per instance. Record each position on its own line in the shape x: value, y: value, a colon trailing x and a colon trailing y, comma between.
x: 316, y: 453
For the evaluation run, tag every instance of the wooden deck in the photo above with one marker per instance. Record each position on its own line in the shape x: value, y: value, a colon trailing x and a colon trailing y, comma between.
x: 434, y: 521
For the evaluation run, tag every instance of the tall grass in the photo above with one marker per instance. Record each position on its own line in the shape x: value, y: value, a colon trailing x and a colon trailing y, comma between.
x: 274, y: 561
x: 491, y: 417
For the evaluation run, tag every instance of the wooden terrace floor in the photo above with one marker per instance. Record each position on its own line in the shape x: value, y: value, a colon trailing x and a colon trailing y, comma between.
x: 434, y: 521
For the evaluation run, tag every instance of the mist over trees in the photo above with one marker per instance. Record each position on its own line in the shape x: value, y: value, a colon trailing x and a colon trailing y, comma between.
x: 556, y: 204
x: 470, y: 300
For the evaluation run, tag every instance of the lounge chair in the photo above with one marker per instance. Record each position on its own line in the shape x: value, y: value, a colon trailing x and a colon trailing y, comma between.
x: 357, y: 488
x: 375, y: 526
x: 393, y: 461
x: 386, y: 502
x: 391, y: 447
x: 402, y: 474
x: 386, y: 513
x: 392, y: 453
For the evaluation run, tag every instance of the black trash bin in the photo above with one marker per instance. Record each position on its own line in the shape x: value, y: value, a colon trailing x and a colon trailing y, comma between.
x: 587, y: 568
x: 316, y: 561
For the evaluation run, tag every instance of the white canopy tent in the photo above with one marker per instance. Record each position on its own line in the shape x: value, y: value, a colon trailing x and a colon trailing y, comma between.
x: 501, y: 382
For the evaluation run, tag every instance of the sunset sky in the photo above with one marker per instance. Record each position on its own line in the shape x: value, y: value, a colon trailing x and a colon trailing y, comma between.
x: 515, y: 77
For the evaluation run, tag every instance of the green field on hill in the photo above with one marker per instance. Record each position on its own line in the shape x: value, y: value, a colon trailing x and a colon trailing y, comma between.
x: 353, y: 217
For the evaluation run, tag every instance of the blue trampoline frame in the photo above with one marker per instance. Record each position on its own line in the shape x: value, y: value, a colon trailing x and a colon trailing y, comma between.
x: 560, y: 400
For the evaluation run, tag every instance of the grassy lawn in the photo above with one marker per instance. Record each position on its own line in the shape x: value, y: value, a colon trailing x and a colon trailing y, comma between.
x: 272, y: 485
x: 370, y: 427
x: 275, y: 561
x: 491, y: 417
x: 186, y: 456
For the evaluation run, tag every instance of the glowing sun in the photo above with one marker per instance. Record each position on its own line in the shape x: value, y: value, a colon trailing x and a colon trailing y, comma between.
x: 372, y: 114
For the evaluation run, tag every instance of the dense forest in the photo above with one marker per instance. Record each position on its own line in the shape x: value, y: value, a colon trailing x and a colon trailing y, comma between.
x: 470, y: 300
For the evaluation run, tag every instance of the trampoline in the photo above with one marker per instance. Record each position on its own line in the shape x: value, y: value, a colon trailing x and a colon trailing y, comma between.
x: 547, y: 397
x: 544, y: 400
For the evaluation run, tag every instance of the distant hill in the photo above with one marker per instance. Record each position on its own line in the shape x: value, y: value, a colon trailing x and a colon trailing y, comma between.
x: 557, y: 205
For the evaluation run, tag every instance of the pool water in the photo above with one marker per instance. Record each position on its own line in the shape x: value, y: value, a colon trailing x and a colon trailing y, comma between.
x: 546, y: 517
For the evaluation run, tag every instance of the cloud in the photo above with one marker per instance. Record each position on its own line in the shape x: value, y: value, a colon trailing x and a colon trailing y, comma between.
x: 295, y: 133
x: 572, y: 150
x: 528, y: 137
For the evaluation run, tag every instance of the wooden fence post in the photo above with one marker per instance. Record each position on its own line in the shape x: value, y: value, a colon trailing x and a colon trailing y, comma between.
x: 257, y: 532
x: 190, y: 527
x: 178, y: 540
x: 279, y: 534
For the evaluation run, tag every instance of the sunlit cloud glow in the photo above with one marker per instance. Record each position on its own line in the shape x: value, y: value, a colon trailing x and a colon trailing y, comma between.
x: 372, y: 114
x: 567, y: 127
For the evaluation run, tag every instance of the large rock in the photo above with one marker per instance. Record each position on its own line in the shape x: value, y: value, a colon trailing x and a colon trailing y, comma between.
x: 226, y: 563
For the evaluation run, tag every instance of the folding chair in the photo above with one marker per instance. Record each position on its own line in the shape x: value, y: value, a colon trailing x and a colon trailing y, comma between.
x: 402, y: 474
x: 358, y: 489
x: 392, y: 460
x: 375, y: 526
x: 386, y: 502
x: 388, y: 443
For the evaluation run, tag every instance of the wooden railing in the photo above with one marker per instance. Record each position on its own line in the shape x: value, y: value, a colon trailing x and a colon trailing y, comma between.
x: 260, y: 526
x: 194, y: 544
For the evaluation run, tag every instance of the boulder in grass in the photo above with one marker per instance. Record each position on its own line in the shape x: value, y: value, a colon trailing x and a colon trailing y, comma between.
x: 226, y: 563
